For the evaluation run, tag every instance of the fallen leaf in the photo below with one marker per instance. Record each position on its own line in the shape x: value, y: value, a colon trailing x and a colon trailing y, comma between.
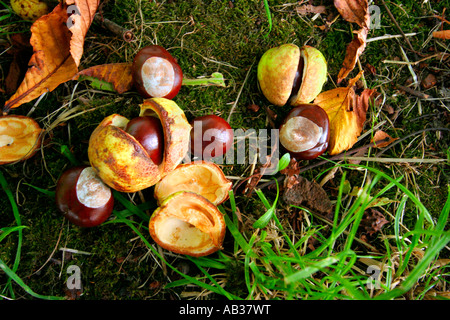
x: 308, y: 194
x: 57, y: 50
x: 356, y: 11
x: 353, y: 51
x: 79, y: 23
x: 378, y: 202
x: 22, y: 52
x: 293, y: 169
x: 442, y: 34
x: 381, y: 139
x: 51, y: 63
x: 373, y: 221
x: 308, y: 8
x: 347, y: 113
x: 429, y: 81
x: 117, y: 74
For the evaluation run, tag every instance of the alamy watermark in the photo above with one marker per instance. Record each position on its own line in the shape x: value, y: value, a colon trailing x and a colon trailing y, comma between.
x: 250, y: 147
x: 375, y: 17
x: 74, y: 280
x: 373, y: 281
x: 72, y: 11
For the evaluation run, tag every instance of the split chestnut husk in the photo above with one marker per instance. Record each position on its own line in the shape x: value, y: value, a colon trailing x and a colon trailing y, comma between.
x: 20, y: 138
x: 123, y: 163
x: 202, y: 177
x: 291, y: 75
x: 188, y: 223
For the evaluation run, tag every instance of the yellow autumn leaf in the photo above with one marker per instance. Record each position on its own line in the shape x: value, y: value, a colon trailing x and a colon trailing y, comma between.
x: 57, y: 40
x: 347, y: 113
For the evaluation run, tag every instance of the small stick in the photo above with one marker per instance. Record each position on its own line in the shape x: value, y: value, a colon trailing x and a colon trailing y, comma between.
x: 127, y: 35
x: 333, y: 158
x: 398, y: 26
x: 413, y: 92
x: 390, y: 36
x: 240, y: 91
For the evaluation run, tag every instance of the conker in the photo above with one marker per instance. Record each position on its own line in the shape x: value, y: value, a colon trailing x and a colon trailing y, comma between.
x: 83, y: 198
x: 148, y: 131
x: 211, y: 136
x: 305, y: 132
x: 156, y: 73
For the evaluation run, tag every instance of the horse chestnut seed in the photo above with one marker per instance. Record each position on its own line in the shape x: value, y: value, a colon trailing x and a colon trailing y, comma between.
x: 305, y: 132
x: 156, y: 74
x: 149, y: 133
x: 211, y: 136
x: 83, y: 198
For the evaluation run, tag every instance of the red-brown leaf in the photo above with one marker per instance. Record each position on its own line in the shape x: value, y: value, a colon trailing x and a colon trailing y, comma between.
x: 356, y: 11
x: 51, y: 63
x: 118, y: 74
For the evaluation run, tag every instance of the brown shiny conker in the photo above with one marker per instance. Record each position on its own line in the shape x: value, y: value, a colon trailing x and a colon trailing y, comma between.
x: 148, y: 131
x: 83, y: 198
x: 305, y: 132
x: 156, y: 73
x: 211, y: 137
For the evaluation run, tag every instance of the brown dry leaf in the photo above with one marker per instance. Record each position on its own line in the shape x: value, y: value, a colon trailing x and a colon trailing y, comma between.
x: 309, y: 8
x: 80, y: 21
x: 118, y: 74
x: 22, y: 52
x: 309, y: 194
x: 347, y: 113
x: 51, y: 63
x: 373, y: 221
x: 354, y: 11
x: 382, y: 139
x: 354, y: 50
x: 442, y: 34
x: 57, y: 50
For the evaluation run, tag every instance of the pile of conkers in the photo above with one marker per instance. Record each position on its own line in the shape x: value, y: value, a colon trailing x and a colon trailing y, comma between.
x: 147, y: 151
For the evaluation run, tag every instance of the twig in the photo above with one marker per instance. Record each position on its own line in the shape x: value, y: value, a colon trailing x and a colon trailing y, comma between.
x: 390, y: 36
x: 408, y: 136
x: 398, y: 26
x: 127, y: 35
x: 240, y: 91
x: 333, y: 158
x: 413, y: 92
x: 394, y: 160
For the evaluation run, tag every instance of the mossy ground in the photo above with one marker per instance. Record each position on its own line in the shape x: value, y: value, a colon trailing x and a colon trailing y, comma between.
x: 206, y: 37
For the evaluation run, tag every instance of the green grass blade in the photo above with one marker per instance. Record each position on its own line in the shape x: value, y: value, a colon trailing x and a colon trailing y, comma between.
x: 237, y: 235
x: 309, y: 270
x: 284, y: 161
x: 7, y: 230
x: 16, y: 214
x: 12, y: 275
x: 269, y: 16
x: 131, y: 207
x: 265, y: 218
x: 413, y: 277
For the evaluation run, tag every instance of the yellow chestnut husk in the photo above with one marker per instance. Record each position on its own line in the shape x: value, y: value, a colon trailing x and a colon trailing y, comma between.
x: 202, y: 177
x: 20, y: 138
x: 291, y: 75
x: 176, y: 130
x: 188, y: 223
x: 30, y: 10
x: 121, y: 161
